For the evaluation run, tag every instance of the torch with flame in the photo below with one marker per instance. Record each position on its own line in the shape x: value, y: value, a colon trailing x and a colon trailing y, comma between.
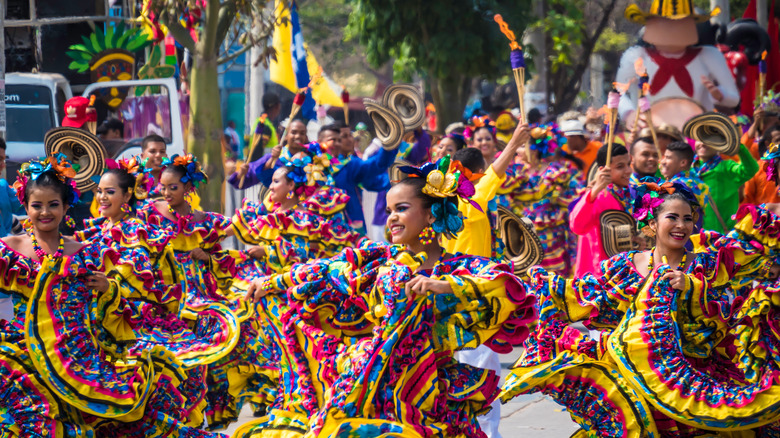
x: 517, y: 60
x: 762, y: 69
x: 345, y: 101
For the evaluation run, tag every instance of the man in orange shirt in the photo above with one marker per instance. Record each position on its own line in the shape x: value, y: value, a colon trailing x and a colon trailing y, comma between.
x: 762, y: 188
x: 576, y: 143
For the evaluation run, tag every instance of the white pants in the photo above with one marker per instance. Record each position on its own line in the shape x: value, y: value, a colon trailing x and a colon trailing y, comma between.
x: 485, y: 358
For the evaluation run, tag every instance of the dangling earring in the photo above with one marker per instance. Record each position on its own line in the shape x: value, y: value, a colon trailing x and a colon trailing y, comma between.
x: 27, y: 226
x: 125, y: 208
x: 70, y: 222
x: 427, y: 235
x: 290, y: 195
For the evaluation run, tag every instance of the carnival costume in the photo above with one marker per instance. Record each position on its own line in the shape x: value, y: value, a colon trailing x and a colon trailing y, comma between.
x: 362, y: 359
x: 206, y: 299
x: 544, y: 197
x: 668, y: 363
x: 64, y: 363
x: 316, y: 228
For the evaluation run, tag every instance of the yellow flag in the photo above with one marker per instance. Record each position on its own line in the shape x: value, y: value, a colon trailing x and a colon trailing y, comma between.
x: 281, y: 69
x: 321, y: 90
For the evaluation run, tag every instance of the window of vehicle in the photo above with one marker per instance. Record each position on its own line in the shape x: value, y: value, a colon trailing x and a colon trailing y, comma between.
x: 28, y: 112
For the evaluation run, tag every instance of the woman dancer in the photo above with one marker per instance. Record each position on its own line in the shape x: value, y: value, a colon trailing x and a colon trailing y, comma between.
x: 662, y: 365
x: 58, y: 369
x: 542, y: 191
x: 207, y: 274
x: 369, y: 339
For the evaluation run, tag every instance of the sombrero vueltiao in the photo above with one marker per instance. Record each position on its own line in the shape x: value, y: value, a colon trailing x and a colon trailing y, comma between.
x: 592, y: 172
x: 523, y: 247
x: 395, y: 170
x: 714, y: 130
x: 407, y: 102
x: 671, y: 9
x: 389, y: 127
x: 82, y: 148
x: 617, y: 232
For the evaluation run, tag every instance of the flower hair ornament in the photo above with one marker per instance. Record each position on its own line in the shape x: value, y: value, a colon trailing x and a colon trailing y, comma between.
x: 476, y: 123
x: 771, y: 155
x: 647, y: 197
x: 57, y: 165
x: 310, y: 170
x: 547, y: 138
x: 192, y: 171
x: 446, y: 179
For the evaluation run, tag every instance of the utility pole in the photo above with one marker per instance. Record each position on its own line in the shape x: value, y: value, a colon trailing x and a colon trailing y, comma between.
x: 761, y: 13
x: 725, y: 13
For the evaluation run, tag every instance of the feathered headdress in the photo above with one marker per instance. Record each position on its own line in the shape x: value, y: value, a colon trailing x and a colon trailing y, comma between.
x: 58, y: 165
x: 192, y: 171
x: 310, y: 169
x: 647, y: 197
x: 446, y: 179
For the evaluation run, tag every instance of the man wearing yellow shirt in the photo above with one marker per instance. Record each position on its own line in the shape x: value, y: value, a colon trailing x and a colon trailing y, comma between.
x: 476, y: 238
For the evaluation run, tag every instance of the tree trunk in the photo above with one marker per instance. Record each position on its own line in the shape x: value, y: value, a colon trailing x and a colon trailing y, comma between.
x: 205, y: 130
x: 450, y: 96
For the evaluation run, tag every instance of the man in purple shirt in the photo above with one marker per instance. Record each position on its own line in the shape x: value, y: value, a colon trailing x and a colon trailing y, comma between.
x: 261, y: 170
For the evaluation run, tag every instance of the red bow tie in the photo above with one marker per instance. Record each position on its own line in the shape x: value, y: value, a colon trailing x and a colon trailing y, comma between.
x: 669, y: 68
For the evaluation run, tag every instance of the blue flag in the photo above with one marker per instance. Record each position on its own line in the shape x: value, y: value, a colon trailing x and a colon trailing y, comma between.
x: 299, y: 64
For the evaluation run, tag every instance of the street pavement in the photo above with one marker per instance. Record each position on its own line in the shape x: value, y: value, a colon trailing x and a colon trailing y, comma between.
x: 527, y: 415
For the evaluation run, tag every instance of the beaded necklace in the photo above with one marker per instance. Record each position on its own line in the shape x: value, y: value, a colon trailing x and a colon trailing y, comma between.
x: 187, y: 217
x: 651, y: 262
x: 41, y: 253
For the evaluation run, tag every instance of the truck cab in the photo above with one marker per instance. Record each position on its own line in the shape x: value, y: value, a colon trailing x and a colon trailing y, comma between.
x: 34, y: 103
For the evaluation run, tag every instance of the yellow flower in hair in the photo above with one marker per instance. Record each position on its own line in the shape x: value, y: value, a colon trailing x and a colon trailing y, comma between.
x: 440, y: 184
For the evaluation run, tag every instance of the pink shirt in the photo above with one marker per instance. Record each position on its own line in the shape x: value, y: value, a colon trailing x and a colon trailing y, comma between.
x: 584, y: 221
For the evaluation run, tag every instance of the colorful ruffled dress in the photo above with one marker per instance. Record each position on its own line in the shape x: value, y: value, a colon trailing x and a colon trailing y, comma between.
x: 319, y: 228
x: 544, y: 198
x: 208, y: 301
x: 64, y: 367
x: 668, y: 363
x: 360, y: 359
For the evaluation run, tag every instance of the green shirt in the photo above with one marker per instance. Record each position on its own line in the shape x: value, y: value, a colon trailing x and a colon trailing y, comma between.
x: 724, y: 182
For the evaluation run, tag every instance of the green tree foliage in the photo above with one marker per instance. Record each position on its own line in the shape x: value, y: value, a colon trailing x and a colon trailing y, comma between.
x: 448, y: 43
x: 573, y: 29
x: 217, y: 26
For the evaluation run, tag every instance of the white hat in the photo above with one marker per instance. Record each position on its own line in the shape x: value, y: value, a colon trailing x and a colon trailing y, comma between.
x: 572, y: 127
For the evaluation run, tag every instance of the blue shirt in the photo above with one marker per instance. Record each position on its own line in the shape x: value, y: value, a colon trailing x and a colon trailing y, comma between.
x: 9, y: 205
x: 370, y: 174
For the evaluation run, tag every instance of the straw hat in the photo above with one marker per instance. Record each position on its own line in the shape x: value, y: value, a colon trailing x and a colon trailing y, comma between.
x: 407, y: 102
x: 670, y: 130
x: 82, y: 148
x: 389, y: 127
x: 671, y: 9
x: 523, y: 247
x: 714, y: 130
x: 617, y: 231
x: 592, y: 172
x: 395, y: 170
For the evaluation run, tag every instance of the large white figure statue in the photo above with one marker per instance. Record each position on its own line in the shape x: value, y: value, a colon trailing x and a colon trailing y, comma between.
x: 681, y: 76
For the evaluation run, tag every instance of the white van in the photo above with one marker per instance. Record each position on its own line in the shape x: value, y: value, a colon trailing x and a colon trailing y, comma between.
x: 34, y: 103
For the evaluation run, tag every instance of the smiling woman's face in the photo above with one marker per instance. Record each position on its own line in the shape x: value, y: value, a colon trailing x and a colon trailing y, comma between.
x: 407, y: 216
x: 45, y: 208
x: 673, y: 224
